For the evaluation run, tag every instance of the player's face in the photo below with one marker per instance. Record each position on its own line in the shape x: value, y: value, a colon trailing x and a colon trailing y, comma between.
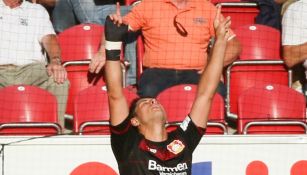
x: 149, y: 109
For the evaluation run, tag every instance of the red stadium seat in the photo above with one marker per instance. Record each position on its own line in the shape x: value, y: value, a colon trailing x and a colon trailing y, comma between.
x: 80, y: 78
x: 130, y: 2
x: 178, y: 101
x: 241, y: 13
x: 259, y: 63
x: 272, y: 109
x: 28, y: 110
x: 92, y: 110
x: 259, y: 42
x: 79, y: 44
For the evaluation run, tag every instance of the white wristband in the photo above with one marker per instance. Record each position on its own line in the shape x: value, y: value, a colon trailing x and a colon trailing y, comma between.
x: 113, y: 45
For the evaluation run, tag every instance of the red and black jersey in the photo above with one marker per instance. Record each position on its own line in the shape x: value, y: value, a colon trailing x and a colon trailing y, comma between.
x: 137, y: 156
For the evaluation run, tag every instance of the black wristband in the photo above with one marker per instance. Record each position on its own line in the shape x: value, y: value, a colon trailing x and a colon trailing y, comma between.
x: 113, y: 55
x: 114, y: 36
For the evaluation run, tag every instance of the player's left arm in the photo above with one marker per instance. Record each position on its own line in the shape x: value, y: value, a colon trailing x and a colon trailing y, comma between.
x: 211, y: 76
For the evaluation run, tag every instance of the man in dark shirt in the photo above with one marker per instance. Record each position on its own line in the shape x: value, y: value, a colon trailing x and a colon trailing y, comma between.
x: 140, y: 142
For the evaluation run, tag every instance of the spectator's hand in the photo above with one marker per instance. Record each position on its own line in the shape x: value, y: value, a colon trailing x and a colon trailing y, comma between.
x: 221, y: 25
x: 117, y: 18
x: 97, y: 62
x: 57, y: 71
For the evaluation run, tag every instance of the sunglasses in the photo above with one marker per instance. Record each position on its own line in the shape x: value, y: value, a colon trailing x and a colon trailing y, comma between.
x: 179, y: 27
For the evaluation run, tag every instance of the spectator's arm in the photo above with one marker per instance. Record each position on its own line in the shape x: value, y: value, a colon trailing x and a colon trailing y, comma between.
x: 54, y: 68
x: 99, y: 59
x: 52, y: 47
x: 232, y: 51
x: 294, y: 54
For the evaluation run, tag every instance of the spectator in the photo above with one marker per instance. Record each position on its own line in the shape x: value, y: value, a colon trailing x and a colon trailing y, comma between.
x: 269, y: 13
x: 139, y: 139
x: 25, y: 30
x: 68, y: 13
x: 294, y: 34
x: 176, y: 36
x: 48, y: 4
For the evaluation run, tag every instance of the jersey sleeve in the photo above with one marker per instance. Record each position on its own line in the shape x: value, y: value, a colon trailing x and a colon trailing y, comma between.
x: 191, y: 133
x: 122, y: 138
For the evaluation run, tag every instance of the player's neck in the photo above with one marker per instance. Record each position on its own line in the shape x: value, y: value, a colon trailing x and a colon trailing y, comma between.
x: 180, y: 4
x: 155, y: 133
x: 12, y: 3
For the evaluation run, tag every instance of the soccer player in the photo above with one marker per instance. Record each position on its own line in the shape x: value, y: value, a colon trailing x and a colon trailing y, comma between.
x: 139, y: 139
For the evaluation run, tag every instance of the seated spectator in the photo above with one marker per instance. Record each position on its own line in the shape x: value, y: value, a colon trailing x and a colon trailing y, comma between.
x: 176, y: 37
x: 294, y: 34
x: 68, y: 13
x: 48, y: 4
x: 25, y: 31
x: 269, y: 13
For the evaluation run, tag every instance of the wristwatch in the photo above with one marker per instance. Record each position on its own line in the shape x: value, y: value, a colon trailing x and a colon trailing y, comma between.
x: 57, y: 60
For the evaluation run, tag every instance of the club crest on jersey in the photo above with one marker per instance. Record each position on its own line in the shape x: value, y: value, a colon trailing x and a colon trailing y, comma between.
x: 175, y: 147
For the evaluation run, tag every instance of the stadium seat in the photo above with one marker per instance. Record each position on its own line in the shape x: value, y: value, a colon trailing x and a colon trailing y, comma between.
x: 28, y: 110
x: 271, y: 109
x: 130, y: 2
x: 241, y: 12
x: 79, y: 44
x: 258, y: 63
x: 92, y: 110
x: 178, y: 100
x: 259, y: 42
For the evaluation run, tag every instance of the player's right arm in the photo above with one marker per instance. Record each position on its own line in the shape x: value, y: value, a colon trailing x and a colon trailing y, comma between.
x: 118, y: 105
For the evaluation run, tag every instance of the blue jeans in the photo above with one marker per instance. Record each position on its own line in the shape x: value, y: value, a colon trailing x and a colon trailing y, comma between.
x: 155, y: 80
x: 68, y: 13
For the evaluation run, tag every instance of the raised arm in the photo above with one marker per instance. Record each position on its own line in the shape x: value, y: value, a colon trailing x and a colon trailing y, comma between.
x: 114, y: 34
x: 210, y: 77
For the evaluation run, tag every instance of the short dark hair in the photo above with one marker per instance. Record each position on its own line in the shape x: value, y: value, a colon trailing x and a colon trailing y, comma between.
x: 133, y: 106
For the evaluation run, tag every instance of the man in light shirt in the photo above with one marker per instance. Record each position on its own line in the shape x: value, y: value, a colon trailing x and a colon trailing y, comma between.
x: 294, y: 34
x: 25, y: 33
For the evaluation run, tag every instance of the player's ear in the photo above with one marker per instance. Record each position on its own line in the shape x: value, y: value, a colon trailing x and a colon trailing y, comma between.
x: 134, y: 121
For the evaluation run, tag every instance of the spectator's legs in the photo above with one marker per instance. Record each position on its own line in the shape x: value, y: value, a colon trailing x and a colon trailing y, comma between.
x: 36, y: 74
x: 61, y: 93
x: 153, y: 81
x: 85, y: 10
x: 63, y: 16
x: 192, y: 77
x: 130, y: 56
